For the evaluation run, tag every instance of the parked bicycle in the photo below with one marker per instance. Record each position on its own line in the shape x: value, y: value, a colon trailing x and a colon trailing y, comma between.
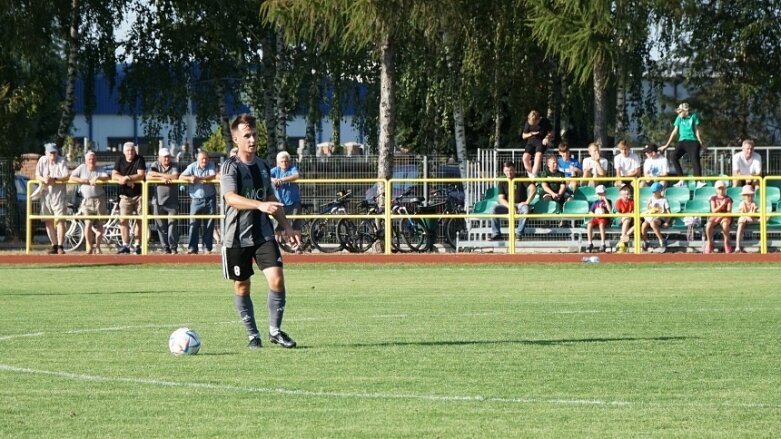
x: 74, y: 230
x: 453, y: 228
x: 324, y: 233
x: 306, y: 228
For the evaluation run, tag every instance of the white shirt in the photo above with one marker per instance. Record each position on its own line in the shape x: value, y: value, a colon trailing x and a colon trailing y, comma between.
x: 590, y: 165
x: 625, y: 165
x: 656, y: 167
x: 741, y: 166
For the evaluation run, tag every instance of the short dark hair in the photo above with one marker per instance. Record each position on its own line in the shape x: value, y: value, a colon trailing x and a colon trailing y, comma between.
x: 244, y: 118
x: 508, y: 164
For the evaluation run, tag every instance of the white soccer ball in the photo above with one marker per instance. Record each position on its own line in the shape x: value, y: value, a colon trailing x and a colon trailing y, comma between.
x: 184, y: 341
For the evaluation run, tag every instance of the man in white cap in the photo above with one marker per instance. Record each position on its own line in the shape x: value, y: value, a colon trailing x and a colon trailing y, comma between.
x: 166, y: 199
x: 687, y: 128
x: 93, y: 199
x: 52, y: 171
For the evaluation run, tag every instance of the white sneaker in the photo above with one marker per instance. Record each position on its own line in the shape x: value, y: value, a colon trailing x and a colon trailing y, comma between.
x: 680, y: 184
x: 701, y: 184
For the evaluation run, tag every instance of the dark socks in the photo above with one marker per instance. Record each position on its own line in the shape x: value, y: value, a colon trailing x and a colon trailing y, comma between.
x: 247, y: 314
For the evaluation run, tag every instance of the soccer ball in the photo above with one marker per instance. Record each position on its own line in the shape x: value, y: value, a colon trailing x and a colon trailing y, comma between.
x: 184, y: 341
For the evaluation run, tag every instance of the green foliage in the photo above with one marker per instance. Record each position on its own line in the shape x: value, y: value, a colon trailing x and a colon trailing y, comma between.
x: 396, y: 351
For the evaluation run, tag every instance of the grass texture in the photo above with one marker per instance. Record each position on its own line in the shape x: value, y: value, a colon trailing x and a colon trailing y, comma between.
x: 449, y: 351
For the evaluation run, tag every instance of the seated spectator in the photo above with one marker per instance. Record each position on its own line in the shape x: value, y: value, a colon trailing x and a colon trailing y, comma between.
x: 524, y: 194
x: 657, y: 204
x: 594, y: 165
x: 655, y: 165
x: 747, y: 163
x: 747, y: 205
x: 625, y: 204
x: 626, y: 163
x: 570, y: 166
x: 720, y: 203
x: 554, y: 190
x: 599, y: 207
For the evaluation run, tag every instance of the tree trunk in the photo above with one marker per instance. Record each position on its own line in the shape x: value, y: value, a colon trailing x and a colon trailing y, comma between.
x: 310, y: 141
x: 621, y: 116
x: 12, y: 226
x: 279, y: 90
x: 458, y: 110
x: 336, y: 110
x: 224, y: 121
x: 554, y: 95
x: 269, y: 101
x: 600, y: 105
x: 387, y: 108
x: 66, y: 120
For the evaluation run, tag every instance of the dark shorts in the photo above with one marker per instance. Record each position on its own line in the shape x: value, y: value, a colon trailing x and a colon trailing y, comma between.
x: 237, y: 262
x: 535, y: 147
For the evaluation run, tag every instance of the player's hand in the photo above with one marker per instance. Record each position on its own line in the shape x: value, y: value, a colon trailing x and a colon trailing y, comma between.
x: 270, y: 207
x: 293, y: 237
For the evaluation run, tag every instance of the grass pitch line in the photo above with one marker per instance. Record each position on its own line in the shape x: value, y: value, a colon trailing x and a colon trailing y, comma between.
x: 107, y: 329
x: 308, y: 393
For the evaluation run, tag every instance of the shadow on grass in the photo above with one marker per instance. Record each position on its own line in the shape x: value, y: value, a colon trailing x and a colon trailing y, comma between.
x: 554, y: 342
x: 95, y: 293
x: 66, y: 266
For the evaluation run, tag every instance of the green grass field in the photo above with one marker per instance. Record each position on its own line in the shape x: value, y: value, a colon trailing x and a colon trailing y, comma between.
x: 396, y: 351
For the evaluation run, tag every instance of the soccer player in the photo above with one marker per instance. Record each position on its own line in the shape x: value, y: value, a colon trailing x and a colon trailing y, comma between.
x: 248, y: 193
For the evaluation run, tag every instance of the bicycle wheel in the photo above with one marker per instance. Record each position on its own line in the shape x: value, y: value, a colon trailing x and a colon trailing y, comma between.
x: 454, y: 227
x: 346, y: 230
x: 415, y: 234
x: 324, y: 236
x: 74, y: 235
x: 365, y: 235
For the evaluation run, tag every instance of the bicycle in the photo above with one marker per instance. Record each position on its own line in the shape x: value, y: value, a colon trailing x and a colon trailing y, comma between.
x: 306, y: 233
x: 74, y: 231
x: 453, y: 227
x: 324, y: 233
x: 407, y: 234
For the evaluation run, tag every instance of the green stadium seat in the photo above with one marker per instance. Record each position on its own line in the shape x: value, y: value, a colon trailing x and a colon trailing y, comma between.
x: 546, y: 207
x: 492, y: 193
x: 704, y: 193
x: 697, y: 206
x: 575, y: 207
x: 772, y: 194
x: 734, y: 193
x: 677, y: 195
x: 586, y: 193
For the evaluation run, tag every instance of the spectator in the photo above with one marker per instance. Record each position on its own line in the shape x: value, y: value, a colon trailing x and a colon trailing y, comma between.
x: 599, y: 207
x: 747, y: 163
x: 594, y: 165
x: 570, y: 166
x: 555, y: 190
x: 201, y: 174
x: 625, y: 204
x: 524, y: 194
x: 747, y: 205
x: 283, y: 177
x: 719, y: 203
x: 537, y: 133
x: 655, y: 165
x: 166, y: 200
x: 93, y: 200
x: 129, y: 169
x: 626, y: 163
x: 687, y: 128
x: 657, y: 204
x: 52, y: 171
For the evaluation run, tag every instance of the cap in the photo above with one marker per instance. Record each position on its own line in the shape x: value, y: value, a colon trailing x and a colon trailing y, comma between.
x: 719, y: 184
x: 651, y: 147
x: 164, y: 152
x: 600, y: 189
x: 50, y: 147
x: 683, y: 107
x: 657, y: 187
x: 747, y: 190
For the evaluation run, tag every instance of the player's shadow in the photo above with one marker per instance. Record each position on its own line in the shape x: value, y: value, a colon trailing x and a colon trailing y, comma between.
x: 552, y: 342
x: 95, y: 293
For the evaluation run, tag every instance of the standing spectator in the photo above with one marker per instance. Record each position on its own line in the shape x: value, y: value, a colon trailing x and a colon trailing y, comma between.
x: 747, y: 205
x: 283, y: 176
x: 570, y: 166
x: 626, y: 163
x: 129, y: 169
x: 657, y: 204
x: 654, y: 166
x: 166, y: 200
x: 747, y: 163
x: 52, y: 171
x: 201, y: 173
x: 599, y: 207
x: 523, y: 197
x: 594, y: 165
x: 247, y: 190
x: 719, y: 203
x: 625, y: 204
x: 555, y: 190
x: 93, y: 200
x: 537, y: 133
x: 687, y: 128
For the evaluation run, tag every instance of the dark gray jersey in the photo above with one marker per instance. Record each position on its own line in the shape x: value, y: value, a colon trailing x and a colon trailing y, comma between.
x: 246, y: 228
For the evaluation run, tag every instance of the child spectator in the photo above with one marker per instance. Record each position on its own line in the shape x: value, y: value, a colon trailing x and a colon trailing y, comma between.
x: 599, y: 207
x: 655, y: 165
x: 747, y: 205
x: 594, y: 165
x: 625, y: 204
x: 555, y: 190
x: 657, y: 204
x: 570, y: 166
x: 719, y: 203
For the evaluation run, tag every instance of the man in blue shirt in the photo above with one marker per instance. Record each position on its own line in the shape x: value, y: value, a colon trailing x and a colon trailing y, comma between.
x: 283, y: 176
x: 570, y: 166
x: 202, y: 174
